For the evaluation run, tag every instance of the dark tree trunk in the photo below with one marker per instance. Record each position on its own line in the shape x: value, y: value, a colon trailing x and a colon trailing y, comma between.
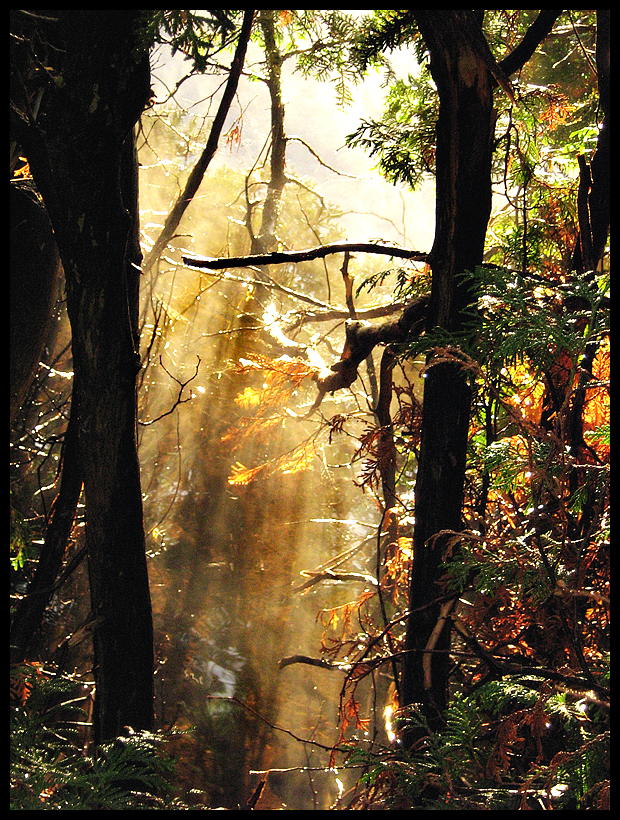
x: 81, y: 150
x: 460, y: 67
x: 123, y: 638
x: 35, y: 275
x: 30, y: 610
x: 595, y: 213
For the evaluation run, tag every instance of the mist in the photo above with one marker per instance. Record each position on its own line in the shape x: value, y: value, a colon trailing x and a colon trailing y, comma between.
x: 233, y: 562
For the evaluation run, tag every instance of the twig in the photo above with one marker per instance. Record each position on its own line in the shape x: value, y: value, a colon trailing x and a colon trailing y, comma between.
x: 322, y: 663
x: 179, y: 400
x: 329, y: 575
x: 274, y: 726
x: 318, y: 158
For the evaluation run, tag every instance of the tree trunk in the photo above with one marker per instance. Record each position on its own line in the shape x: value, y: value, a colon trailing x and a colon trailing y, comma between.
x: 596, y: 199
x: 31, y: 608
x: 460, y: 61
x: 266, y: 240
x: 35, y: 276
x: 123, y: 636
x: 81, y: 150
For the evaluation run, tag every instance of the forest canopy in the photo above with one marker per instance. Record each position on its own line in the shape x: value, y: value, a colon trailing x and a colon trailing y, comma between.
x: 310, y: 505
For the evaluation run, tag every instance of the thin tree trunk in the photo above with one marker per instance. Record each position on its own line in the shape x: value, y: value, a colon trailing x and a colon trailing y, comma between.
x: 266, y: 239
x: 29, y: 612
x: 198, y: 171
x: 596, y: 199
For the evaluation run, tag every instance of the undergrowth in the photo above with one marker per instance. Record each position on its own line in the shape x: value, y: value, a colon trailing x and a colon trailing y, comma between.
x: 515, y: 744
x: 50, y: 767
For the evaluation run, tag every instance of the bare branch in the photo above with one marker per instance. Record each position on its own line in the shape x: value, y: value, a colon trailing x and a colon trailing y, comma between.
x: 282, y: 257
x: 361, y: 339
x: 335, y: 577
x: 533, y: 37
x: 318, y: 158
x: 322, y: 663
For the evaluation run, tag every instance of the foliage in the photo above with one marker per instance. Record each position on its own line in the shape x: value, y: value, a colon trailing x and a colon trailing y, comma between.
x: 48, y: 770
x: 402, y: 141
x: 556, y: 106
x: 195, y: 36
x: 20, y: 540
x: 488, y: 735
x: 527, y: 581
x: 321, y: 40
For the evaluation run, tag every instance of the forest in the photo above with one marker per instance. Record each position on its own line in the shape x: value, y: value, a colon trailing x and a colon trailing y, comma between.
x: 310, y: 409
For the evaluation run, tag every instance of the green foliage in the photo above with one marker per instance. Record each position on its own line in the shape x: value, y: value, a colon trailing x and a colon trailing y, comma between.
x: 529, y: 316
x: 387, y: 30
x: 20, y: 540
x: 532, y: 563
x: 479, y: 760
x: 525, y: 317
x: 404, y: 286
x: 321, y: 40
x: 193, y: 35
x: 402, y: 141
x: 557, y: 100
x: 48, y: 771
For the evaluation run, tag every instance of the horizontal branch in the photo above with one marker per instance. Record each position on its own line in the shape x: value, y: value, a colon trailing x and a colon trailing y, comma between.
x: 322, y: 663
x: 338, y: 577
x: 363, y: 315
x: 281, y: 257
x: 323, y: 311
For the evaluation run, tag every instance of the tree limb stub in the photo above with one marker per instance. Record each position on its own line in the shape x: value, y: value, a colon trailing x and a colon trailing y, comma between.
x: 281, y: 257
x: 362, y: 338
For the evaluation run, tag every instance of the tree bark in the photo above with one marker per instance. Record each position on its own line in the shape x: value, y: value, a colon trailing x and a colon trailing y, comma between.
x: 35, y: 276
x: 81, y: 151
x: 280, y: 257
x: 465, y: 73
x: 460, y: 64
x: 596, y: 177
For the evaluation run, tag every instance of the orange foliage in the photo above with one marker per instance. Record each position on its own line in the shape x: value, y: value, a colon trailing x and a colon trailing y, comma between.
x: 284, y: 18
x: 597, y: 409
x: 265, y: 409
x: 296, y: 461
